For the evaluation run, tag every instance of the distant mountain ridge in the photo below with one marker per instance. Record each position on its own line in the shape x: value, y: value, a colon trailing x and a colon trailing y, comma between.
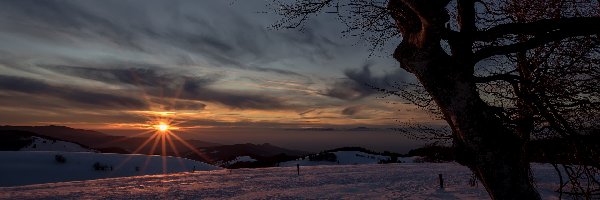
x: 102, y: 141
x: 325, y: 129
x: 59, y: 132
x: 16, y: 140
x: 266, y: 155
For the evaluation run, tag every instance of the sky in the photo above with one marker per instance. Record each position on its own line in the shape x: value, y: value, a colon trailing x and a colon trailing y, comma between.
x: 123, y: 64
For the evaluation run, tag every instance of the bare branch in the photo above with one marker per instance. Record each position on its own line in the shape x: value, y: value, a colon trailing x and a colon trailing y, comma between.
x: 542, y: 32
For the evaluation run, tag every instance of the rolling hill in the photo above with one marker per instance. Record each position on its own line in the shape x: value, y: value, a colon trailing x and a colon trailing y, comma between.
x: 100, y: 141
x: 264, y: 155
x: 34, y: 167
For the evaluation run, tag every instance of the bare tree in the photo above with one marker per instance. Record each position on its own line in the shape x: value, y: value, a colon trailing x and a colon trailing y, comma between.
x: 555, y: 91
x: 499, y: 72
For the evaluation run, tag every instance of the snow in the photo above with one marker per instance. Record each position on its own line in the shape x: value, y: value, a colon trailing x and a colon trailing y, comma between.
x: 43, y: 144
x: 412, y: 159
x: 31, y: 167
x: 369, y: 181
x: 343, y: 158
x: 357, y: 157
x: 240, y: 159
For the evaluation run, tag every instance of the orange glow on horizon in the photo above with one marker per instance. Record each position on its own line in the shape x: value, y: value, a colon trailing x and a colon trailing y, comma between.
x: 163, y: 127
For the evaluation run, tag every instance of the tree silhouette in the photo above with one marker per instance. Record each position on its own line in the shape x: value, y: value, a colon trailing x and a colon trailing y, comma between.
x: 499, y: 72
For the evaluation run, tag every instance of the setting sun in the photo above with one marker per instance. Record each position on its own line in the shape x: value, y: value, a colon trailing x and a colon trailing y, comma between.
x: 163, y: 127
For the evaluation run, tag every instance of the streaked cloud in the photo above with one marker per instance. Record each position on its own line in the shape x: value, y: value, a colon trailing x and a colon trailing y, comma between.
x: 352, y: 110
x: 92, y: 98
x: 212, y: 62
x: 360, y: 83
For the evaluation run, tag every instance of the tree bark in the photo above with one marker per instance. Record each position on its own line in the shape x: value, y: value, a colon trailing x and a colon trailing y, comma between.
x: 494, y: 152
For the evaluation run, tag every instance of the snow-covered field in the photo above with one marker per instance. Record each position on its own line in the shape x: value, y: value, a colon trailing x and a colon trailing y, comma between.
x: 31, y: 167
x: 343, y: 158
x: 43, y: 144
x: 369, y: 181
x: 240, y: 159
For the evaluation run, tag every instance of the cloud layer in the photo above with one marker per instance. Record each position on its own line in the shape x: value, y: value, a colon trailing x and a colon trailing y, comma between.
x: 207, y: 59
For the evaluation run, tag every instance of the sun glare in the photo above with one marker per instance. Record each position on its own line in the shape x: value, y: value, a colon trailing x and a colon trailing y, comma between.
x: 162, y: 127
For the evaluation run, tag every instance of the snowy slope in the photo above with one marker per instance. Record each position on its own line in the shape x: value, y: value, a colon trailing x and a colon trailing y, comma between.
x: 240, y: 159
x: 31, y: 167
x: 412, y: 159
x: 343, y: 158
x: 43, y: 144
x: 376, y: 181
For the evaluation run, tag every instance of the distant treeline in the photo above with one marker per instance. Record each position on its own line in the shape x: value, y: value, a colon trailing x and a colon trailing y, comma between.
x: 548, y: 150
x: 263, y: 161
x: 566, y: 150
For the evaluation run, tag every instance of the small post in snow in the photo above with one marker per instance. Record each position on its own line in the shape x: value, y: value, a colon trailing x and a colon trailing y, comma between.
x: 298, y: 167
x: 441, y: 181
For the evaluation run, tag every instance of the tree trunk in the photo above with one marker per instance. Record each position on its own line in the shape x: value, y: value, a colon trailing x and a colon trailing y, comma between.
x: 494, y: 152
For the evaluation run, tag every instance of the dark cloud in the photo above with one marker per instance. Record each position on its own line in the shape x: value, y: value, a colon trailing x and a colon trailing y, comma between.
x: 130, y: 76
x: 185, y: 106
x: 352, y: 110
x: 143, y: 51
x: 245, y: 45
x: 316, y: 129
x: 141, y: 75
x: 163, y: 84
x: 197, y: 91
x: 361, y: 83
x: 306, y: 112
x: 238, y: 43
x: 63, y: 21
x: 176, y: 104
x: 70, y: 94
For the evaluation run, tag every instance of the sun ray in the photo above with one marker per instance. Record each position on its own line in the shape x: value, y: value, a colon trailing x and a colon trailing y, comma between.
x: 162, y: 124
x: 151, y: 152
x: 135, y: 151
x: 126, y: 137
x: 154, y: 145
x: 162, y: 149
x: 172, y: 145
x: 194, y: 149
x: 163, y: 153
